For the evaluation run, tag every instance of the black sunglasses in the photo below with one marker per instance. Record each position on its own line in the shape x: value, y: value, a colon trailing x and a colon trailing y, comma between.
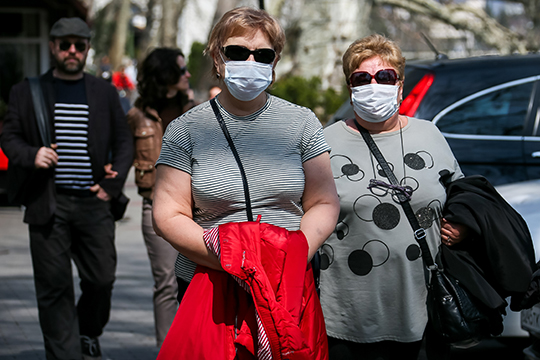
x: 241, y: 53
x: 183, y: 70
x: 66, y: 45
x: 384, y: 76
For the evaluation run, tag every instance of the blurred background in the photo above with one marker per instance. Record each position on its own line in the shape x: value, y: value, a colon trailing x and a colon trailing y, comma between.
x: 318, y: 33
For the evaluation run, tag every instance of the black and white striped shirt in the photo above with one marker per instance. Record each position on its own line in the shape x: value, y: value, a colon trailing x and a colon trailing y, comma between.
x: 74, y: 169
x: 272, y: 143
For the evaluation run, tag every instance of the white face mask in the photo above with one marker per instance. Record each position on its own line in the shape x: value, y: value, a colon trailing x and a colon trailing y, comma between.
x: 375, y: 103
x: 247, y: 79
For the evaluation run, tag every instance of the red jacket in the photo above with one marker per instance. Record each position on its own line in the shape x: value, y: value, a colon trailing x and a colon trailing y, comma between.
x: 216, y: 319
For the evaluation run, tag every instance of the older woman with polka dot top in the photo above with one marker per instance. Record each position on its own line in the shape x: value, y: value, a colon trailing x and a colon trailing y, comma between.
x: 373, y: 290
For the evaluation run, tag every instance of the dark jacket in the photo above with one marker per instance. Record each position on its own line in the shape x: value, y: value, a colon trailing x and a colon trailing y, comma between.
x: 497, y: 260
x: 109, y: 141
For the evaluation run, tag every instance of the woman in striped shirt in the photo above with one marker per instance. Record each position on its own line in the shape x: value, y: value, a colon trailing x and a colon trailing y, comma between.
x: 281, y: 147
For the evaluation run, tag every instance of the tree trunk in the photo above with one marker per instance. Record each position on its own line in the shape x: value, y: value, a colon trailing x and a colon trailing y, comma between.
x: 326, y: 29
x: 172, y: 9
x: 118, y: 45
x: 149, y: 38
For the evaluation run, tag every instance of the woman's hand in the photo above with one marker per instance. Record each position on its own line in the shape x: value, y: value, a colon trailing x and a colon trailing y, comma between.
x: 319, y: 201
x: 173, y: 218
x: 453, y: 233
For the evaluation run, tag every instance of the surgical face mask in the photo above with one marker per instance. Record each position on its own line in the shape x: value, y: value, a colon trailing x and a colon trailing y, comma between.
x: 247, y: 79
x: 375, y: 103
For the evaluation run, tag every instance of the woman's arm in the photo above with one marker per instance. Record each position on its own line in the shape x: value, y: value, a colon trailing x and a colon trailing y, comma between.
x: 320, y: 202
x: 173, y: 218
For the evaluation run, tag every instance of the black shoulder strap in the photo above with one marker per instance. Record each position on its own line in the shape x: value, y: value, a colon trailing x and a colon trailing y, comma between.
x: 235, y: 153
x: 39, y: 109
x: 419, y: 232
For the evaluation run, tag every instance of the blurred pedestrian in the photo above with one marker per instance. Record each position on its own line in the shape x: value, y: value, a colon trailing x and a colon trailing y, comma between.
x: 124, y: 85
x: 130, y: 70
x: 68, y: 192
x: 373, y: 289
x: 200, y: 194
x: 163, y: 86
x: 105, y: 68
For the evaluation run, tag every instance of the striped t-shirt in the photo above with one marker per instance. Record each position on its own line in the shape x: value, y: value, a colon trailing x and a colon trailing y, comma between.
x: 74, y: 169
x: 272, y: 143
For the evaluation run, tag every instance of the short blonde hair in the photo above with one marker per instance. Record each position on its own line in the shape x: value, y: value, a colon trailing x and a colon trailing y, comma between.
x: 241, y: 21
x: 371, y: 46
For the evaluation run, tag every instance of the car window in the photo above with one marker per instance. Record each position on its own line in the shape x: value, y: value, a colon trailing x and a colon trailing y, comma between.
x: 499, y: 112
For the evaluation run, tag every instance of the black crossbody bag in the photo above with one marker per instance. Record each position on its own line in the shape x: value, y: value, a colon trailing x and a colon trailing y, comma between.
x: 315, y: 262
x: 19, y: 177
x: 452, y: 311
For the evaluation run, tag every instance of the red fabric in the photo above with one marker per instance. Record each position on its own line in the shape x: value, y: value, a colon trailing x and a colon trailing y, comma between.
x: 121, y: 81
x: 3, y: 161
x: 273, y: 262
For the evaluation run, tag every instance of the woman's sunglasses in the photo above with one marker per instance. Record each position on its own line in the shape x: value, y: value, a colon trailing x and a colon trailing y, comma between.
x: 66, y: 45
x: 385, y: 76
x: 241, y: 53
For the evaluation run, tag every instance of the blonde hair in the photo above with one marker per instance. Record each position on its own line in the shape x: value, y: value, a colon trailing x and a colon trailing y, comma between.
x: 241, y: 21
x: 371, y: 46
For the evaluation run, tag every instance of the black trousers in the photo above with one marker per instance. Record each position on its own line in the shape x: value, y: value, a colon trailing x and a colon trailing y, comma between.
x: 384, y: 350
x: 182, y: 288
x: 82, y: 229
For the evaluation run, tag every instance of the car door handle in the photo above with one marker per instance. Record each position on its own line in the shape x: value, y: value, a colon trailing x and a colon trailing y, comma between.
x: 536, y: 154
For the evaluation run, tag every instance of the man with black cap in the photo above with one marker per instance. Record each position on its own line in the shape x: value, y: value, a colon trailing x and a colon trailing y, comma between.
x: 68, y: 186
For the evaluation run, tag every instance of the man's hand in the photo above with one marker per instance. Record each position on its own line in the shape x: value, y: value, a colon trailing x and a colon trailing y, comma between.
x: 46, y: 157
x: 100, y: 193
x: 109, y: 172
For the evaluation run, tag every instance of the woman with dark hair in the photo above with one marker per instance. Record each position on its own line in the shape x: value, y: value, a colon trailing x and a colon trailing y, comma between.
x: 163, y: 86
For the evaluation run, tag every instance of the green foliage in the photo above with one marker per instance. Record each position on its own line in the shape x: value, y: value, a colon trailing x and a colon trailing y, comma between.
x: 198, y: 64
x: 308, y: 93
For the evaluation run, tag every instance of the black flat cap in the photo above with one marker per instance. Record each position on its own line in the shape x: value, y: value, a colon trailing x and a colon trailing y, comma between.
x: 73, y: 26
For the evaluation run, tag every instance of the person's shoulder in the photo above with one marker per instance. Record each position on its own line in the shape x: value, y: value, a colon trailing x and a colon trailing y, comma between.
x: 285, y: 111
x: 195, y: 116
x: 336, y: 129
x: 23, y: 84
x: 202, y: 109
x: 135, y: 114
x: 423, y: 125
x: 287, y: 105
x: 337, y: 125
x: 416, y: 122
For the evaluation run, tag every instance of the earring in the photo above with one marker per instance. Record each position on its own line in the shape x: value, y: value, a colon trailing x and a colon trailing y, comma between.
x: 218, y: 75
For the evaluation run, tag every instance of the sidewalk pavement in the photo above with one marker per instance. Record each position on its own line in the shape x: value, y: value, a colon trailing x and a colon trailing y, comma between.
x: 130, y: 331
x: 129, y: 335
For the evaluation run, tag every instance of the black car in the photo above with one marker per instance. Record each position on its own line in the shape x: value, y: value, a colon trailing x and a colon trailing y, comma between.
x: 488, y: 108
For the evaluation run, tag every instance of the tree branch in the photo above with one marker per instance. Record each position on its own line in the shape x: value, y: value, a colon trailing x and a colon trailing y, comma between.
x: 464, y: 17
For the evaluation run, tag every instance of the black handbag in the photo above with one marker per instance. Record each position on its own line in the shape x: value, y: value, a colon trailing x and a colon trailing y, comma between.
x: 454, y: 314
